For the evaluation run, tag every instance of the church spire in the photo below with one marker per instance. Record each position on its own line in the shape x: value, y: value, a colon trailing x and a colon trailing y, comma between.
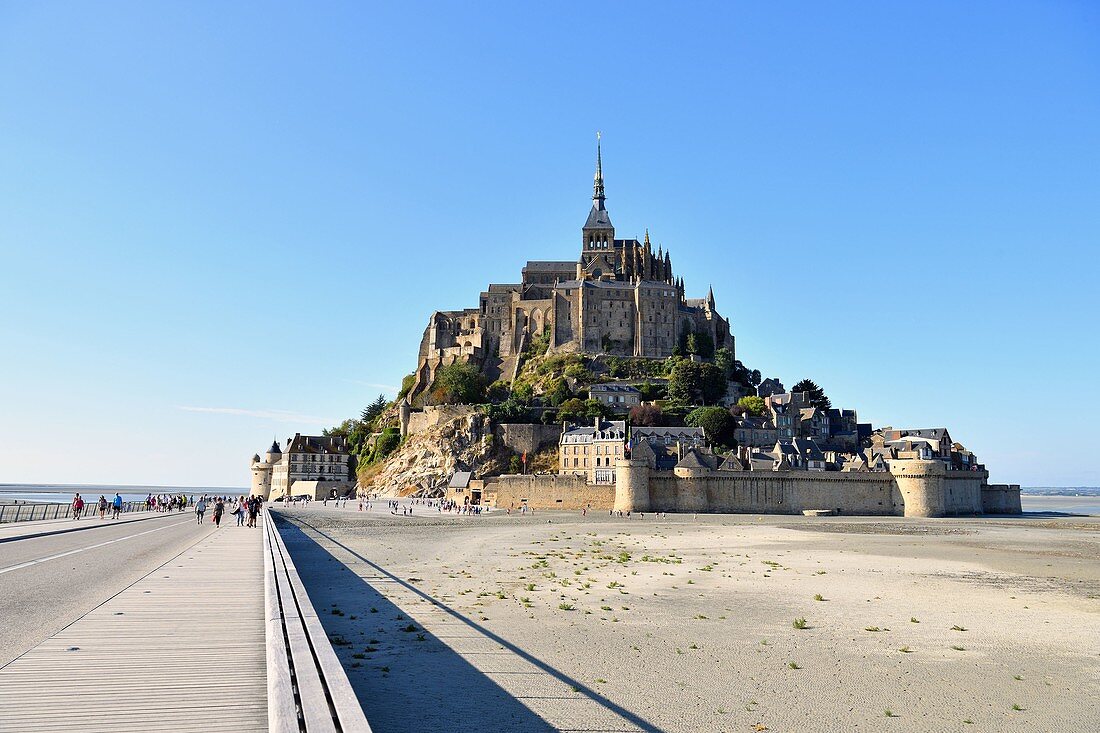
x: 597, y: 183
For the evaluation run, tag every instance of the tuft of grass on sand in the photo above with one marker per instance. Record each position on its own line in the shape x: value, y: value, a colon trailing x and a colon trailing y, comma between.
x: 1018, y: 678
x: 890, y: 713
x: 819, y: 597
x: 913, y: 620
x: 958, y: 628
x: 871, y: 628
x: 959, y: 648
x: 905, y: 650
x: 799, y: 623
x: 793, y: 665
x: 566, y: 606
x: 1017, y: 707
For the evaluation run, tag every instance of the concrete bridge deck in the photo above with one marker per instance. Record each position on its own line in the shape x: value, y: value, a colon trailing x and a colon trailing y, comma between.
x: 180, y: 649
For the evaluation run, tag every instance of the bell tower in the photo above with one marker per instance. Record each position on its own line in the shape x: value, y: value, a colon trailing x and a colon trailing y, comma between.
x: 598, y: 232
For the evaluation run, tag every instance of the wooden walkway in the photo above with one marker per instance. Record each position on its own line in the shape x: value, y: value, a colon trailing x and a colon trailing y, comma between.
x: 182, y: 649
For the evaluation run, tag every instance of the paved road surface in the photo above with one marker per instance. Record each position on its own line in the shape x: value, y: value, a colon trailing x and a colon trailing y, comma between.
x: 48, y: 582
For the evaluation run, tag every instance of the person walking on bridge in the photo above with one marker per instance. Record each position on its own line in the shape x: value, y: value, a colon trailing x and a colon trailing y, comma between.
x: 219, y: 510
x: 200, y: 509
x: 78, y: 506
x: 117, y: 506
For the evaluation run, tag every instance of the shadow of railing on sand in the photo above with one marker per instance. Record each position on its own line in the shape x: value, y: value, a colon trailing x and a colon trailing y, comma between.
x: 435, y: 687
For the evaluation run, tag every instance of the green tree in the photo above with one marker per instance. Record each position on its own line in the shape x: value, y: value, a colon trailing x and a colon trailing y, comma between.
x: 515, y: 465
x: 752, y: 405
x: 578, y: 373
x: 723, y: 359
x: 701, y: 344
x: 814, y: 394
x: 717, y: 424
x: 459, y: 383
x: 571, y: 410
x: 650, y: 392
x: 407, y: 383
x: 557, y: 392
x: 693, y: 383
x: 595, y: 408
x: 384, y: 444
x: 374, y: 410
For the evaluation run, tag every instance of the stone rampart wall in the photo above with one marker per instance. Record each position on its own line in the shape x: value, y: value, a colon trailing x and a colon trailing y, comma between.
x: 784, y: 492
x: 913, y: 491
x: 433, y: 415
x: 547, y: 491
x: 527, y: 438
x: 1001, y: 499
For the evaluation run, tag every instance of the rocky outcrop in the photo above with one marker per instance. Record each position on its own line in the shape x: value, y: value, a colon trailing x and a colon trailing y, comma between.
x: 428, y: 458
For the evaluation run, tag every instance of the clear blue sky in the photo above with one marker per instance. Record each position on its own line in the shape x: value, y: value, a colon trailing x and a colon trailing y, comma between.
x: 221, y: 222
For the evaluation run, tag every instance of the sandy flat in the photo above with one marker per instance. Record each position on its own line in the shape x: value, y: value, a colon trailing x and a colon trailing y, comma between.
x: 557, y: 622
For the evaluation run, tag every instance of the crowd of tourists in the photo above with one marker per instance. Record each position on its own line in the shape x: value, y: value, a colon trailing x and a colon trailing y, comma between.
x: 244, y: 508
x: 103, y: 505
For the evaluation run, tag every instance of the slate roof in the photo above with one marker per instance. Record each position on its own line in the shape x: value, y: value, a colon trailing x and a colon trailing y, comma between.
x: 598, y: 218
x: 694, y: 458
x: 624, y: 388
x: 550, y: 266
x: 315, y: 444
x: 674, y: 433
x: 460, y: 480
x: 808, y: 449
x: 935, y: 434
x: 604, y: 430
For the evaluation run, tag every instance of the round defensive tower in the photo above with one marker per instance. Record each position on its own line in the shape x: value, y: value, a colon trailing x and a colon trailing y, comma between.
x: 631, y: 485
x: 404, y: 410
x: 691, y: 493
x: 261, y: 478
x: 921, y: 484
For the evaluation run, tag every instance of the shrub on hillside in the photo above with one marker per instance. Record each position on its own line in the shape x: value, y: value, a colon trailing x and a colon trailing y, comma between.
x: 717, y: 424
x: 458, y: 383
x: 752, y: 405
x: 695, y: 383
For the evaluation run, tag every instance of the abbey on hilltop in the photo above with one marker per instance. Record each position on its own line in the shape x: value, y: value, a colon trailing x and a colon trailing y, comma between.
x: 619, y: 297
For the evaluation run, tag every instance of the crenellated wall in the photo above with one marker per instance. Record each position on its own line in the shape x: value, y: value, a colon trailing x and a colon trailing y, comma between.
x: 912, y: 489
x: 1001, y: 499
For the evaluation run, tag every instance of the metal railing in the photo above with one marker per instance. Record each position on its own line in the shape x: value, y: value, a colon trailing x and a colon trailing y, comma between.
x: 307, y: 688
x: 27, y: 512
